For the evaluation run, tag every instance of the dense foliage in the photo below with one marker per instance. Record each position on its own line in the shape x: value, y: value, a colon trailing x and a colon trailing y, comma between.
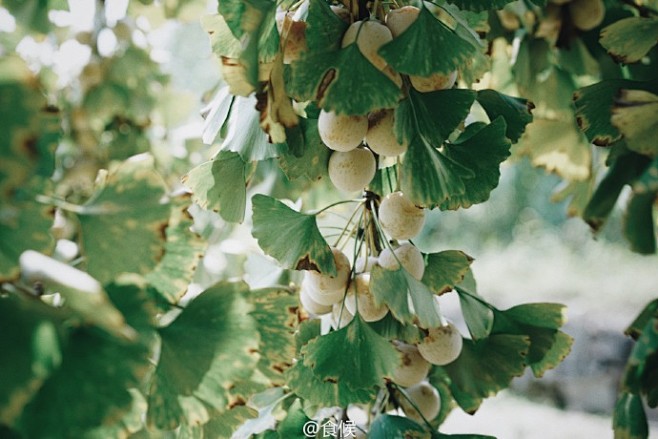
x: 334, y: 128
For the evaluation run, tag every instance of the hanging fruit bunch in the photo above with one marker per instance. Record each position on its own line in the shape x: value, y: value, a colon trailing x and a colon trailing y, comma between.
x: 366, y: 97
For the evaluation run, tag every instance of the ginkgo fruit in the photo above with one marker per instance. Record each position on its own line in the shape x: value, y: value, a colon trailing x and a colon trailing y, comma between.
x: 326, y: 289
x: 409, y: 256
x: 426, y: 398
x: 398, y: 21
x: 442, y: 345
x: 352, y: 170
x: 359, y: 297
x: 311, y: 305
x: 413, y: 368
x: 340, y: 316
x: 341, y: 132
x: 369, y: 35
x: 400, y: 217
x: 363, y: 264
x: 380, y: 136
x: 587, y: 14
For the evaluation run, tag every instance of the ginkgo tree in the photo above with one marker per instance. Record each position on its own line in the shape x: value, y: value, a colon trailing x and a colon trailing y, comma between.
x: 369, y: 114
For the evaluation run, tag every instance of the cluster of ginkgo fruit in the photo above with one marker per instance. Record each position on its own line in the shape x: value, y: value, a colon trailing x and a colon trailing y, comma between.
x: 347, y: 293
x: 355, y: 139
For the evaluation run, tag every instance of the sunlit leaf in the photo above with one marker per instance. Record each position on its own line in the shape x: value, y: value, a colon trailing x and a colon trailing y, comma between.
x: 222, y: 426
x: 212, y: 343
x: 443, y: 50
x: 446, y: 269
x: 291, y: 237
x: 24, y: 225
x: 275, y: 313
x: 220, y: 185
x: 365, y: 357
x: 621, y: 39
x: 123, y: 223
x: 558, y: 146
x: 397, y: 289
x: 182, y: 252
x: 481, y: 149
x: 635, y: 114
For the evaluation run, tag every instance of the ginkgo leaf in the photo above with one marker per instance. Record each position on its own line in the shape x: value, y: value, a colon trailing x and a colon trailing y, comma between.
x: 24, y: 225
x: 223, y: 425
x: 292, y: 426
x: 392, y: 427
x: 481, y: 149
x: 540, y: 322
x: 559, y: 147
x: 594, y: 107
x: 621, y: 40
x: 212, y: 343
x: 122, y: 224
x: 91, y: 381
x: 243, y: 132
x: 275, y: 313
x: 481, y: 5
x: 623, y: 170
x: 639, y: 223
x: 478, y: 316
x: 325, y: 393
x: 314, y: 158
x: 443, y: 50
x: 629, y: 417
x: 324, y: 29
x: 222, y: 40
x: 220, y: 185
x: 484, y: 367
x: 635, y: 114
x: 182, y: 252
x: 516, y: 112
x: 442, y: 177
x: 446, y: 269
x: 427, y: 114
x: 276, y: 111
x: 397, y: 289
x: 365, y: 357
x: 291, y: 237
x: 34, y: 350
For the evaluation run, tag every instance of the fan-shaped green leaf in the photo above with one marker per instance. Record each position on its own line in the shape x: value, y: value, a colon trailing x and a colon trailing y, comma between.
x: 314, y: 158
x: 639, y: 224
x: 220, y: 185
x: 396, y: 427
x: 629, y: 418
x: 442, y: 49
x: 291, y: 237
x: 442, y: 177
x: 485, y: 367
x: 354, y: 355
x: 122, y: 225
x: 446, y: 269
x: 211, y: 344
x: 517, y: 112
x: 433, y: 116
x: 481, y: 149
x: 621, y: 39
x: 394, y: 287
x: 325, y: 393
